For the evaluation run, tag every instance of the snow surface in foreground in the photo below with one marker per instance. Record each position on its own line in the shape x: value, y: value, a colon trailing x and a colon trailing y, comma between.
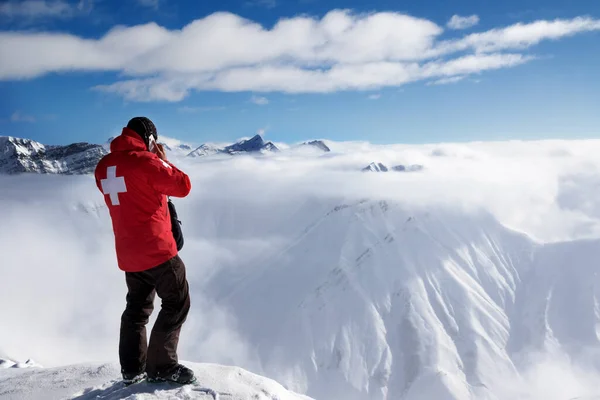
x: 93, y: 381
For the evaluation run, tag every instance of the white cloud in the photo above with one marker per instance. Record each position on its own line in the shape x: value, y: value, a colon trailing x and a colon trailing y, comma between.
x: 341, y: 51
x: 471, y: 64
x: 41, y: 8
x: 458, y: 22
x: 80, y: 326
x: 375, y: 96
x: 446, y: 81
x: 18, y: 116
x: 520, y: 36
x: 259, y: 100
x: 297, y: 80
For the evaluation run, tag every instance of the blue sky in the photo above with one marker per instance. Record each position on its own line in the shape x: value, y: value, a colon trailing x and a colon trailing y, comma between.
x: 381, y: 71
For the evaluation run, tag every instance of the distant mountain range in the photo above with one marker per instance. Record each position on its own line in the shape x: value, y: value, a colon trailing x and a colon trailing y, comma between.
x: 18, y: 155
x: 25, y: 155
x: 255, y: 144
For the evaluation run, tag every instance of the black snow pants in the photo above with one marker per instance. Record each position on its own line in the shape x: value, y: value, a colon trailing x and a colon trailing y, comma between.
x: 159, y: 357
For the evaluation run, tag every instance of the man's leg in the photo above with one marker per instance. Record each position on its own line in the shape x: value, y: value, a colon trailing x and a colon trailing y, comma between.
x: 172, y: 287
x: 133, y: 344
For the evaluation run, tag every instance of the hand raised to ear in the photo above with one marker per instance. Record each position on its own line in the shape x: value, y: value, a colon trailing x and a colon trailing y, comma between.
x: 160, y: 152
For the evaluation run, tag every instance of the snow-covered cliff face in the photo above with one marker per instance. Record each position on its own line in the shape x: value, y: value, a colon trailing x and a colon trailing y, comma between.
x: 25, y: 155
x: 375, y: 300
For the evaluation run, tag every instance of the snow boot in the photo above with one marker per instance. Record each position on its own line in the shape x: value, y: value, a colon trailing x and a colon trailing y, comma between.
x: 180, y: 374
x: 130, y: 379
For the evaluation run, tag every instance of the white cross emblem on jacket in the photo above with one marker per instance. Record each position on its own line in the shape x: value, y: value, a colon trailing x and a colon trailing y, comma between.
x: 113, y: 185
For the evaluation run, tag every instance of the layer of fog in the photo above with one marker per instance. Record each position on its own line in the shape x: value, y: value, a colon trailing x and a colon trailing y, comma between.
x: 545, y: 189
x: 61, y: 294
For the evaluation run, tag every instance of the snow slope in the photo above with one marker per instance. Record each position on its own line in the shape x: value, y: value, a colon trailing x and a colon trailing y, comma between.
x: 404, y: 304
x: 101, y: 381
x: 377, y: 301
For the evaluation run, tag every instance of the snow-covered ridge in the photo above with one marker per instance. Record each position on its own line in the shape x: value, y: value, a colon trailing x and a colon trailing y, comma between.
x: 19, y: 155
x: 380, y: 167
x: 24, y: 155
x: 255, y: 144
x: 252, y: 145
x: 6, y: 363
x: 396, y: 303
x: 93, y: 381
x: 205, y: 150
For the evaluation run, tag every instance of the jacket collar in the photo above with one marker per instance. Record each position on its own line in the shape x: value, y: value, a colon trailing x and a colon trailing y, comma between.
x: 129, y: 140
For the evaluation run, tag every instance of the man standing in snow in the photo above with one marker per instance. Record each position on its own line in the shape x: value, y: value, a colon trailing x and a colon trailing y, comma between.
x: 136, y: 178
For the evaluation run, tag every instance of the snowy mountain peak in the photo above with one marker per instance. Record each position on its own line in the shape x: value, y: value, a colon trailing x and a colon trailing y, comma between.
x: 18, y: 146
x: 376, y: 167
x: 18, y: 155
x: 380, y: 167
x: 319, y: 144
x: 178, y: 147
x: 269, y: 146
x: 6, y: 363
x: 254, y: 144
x: 204, y: 150
x: 416, y: 303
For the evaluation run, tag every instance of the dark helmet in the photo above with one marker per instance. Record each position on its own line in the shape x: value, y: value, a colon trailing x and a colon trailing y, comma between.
x: 144, y: 127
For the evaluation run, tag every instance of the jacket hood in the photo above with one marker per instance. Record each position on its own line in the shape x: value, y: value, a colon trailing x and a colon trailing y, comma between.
x: 129, y: 140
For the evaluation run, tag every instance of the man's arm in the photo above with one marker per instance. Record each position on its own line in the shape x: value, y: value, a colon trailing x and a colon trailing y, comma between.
x: 165, y: 178
x: 97, y: 176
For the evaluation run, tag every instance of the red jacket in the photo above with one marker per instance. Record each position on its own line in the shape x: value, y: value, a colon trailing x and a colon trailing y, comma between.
x: 135, y: 184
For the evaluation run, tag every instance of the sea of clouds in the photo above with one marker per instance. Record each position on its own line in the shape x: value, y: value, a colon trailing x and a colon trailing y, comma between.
x: 61, y: 294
